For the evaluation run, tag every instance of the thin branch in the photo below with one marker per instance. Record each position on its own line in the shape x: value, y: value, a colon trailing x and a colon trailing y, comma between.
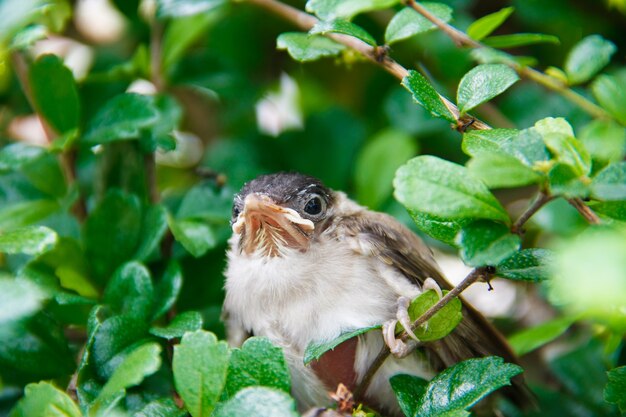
x: 542, y: 199
x: 463, y: 40
x: 474, y: 276
x: 306, y: 21
x: 584, y: 210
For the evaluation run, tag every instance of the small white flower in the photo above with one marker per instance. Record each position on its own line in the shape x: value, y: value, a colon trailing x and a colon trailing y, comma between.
x: 280, y: 111
x: 76, y: 56
x: 189, y: 151
x: 142, y: 86
x: 99, y: 21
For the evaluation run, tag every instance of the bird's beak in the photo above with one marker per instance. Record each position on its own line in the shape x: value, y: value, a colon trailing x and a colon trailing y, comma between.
x: 268, y: 227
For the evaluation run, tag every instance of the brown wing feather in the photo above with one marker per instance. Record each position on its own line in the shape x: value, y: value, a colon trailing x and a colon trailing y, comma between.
x: 474, y: 337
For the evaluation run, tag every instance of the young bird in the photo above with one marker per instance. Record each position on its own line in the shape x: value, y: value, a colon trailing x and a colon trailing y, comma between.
x: 306, y: 264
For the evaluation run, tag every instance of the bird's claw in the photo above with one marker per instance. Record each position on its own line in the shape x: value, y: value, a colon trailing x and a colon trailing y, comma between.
x: 431, y: 284
x: 398, y: 347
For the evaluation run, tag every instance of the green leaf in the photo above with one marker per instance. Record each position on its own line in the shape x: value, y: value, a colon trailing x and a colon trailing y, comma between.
x: 182, y: 8
x: 610, y: 183
x: 614, y: 210
x: 345, y: 28
x: 15, y: 14
x: 207, y: 202
x: 611, y: 94
x: 528, y: 340
x: 438, y: 227
x: 257, y: 363
x: 451, y: 191
x: 19, y: 299
x: 188, y: 321
x: 196, y: 236
x: 112, y: 231
x: 463, y: 385
x: 386, y: 152
x: 476, y: 142
x: 615, y: 390
x: 141, y: 362
x: 258, y: 402
x: 482, y: 27
x: 502, y: 171
x: 486, y: 243
x: 345, y: 9
x: 426, y: 96
x: 519, y: 39
x: 130, y: 291
x: 407, y: 22
x: 526, y: 145
x: 315, y: 351
x: 56, y: 101
x: 588, y: 57
x: 16, y: 155
x: 527, y: 265
x: 566, y: 181
x: 408, y: 389
x: 167, y: 289
x: 569, y: 151
x: 483, y: 83
x: 19, y: 215
x: 200, y: 364
x: 30, y: 240
x: 605, y: 140
x: 303, y: 47
x: 439, y: 325
x: 123, y: 117
x: 45, y: 400
x: 165, y: 407
x: 153, y: 228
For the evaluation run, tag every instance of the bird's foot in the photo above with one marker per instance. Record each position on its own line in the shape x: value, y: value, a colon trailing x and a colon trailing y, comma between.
x: 398, y: 347
x: 431, y: 284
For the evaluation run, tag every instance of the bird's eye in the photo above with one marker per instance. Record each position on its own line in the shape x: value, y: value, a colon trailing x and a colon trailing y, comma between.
x: 236, y: 212
x: 314, y: 206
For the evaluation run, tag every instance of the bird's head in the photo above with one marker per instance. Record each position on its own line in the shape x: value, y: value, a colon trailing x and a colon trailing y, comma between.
x: 276, y: 213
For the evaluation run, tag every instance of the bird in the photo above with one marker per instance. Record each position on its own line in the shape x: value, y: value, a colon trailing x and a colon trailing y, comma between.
x: 305, y: 264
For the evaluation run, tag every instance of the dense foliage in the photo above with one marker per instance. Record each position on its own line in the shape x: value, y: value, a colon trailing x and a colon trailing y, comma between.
x: 127, y: 127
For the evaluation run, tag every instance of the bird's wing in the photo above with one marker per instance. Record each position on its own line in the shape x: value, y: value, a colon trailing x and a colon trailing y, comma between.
x: 395, y: 245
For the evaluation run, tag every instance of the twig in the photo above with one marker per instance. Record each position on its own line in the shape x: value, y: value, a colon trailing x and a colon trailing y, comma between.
x: 584, y: 210
x: 306, y: 21
x: 474, y: 276
x: 542, y: 199
x: 463, y: 40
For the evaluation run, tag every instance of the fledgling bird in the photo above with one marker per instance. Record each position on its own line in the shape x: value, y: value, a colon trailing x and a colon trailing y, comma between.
x: 306, y: 264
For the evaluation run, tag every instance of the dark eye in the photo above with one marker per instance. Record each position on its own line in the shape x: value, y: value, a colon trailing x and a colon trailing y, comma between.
x: 314, y: 206
x: 236, y: 212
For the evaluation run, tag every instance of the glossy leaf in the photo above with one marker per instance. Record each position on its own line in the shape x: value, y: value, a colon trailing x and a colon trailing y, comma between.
x: 141, y: 362
x: 565, y: 181
x: 407, y: 22
x: 16, y: 13
x: 502, y: 171
x: 439, y: 325
x: 611, y: 94
x: 526, y: 145
x: 588, y: 57
x: 130, y: 291
x: 463, y: 385
x: 257, y: 363
x: 200, y: 364
x: 426, y: 96
x: 19, y: 299
x: 483, y: 83
x: 181, y: 33
x: 533, y: 338
x: 615, y: 390
x: 613, y: 210
x: 483, y: 27
x: 16, y: 155
x: 569, y: 151
x: 303, y: 47
x: 197, y: 237
x: 519, y: 39
x: 486, y: 243
x: 527, y: 265
x: 31, y: 240
x: 189, y: 321
x: 167, y: 289
x: 345, y: 28
x: 408, y: 389
x: 345, y: 9
x: 258, y: 402
x: 153, y: 228
x: 45, y: 400
x: 315, y: 351
x: 387, y: 151
x: 56, y: 101
x: 439, y: 228
x: 165, y: 407
x: 610, y: 183
x: 123, y: 117
x: 182, y: 8
x: 433, y: 186
x: 605, y: 140
x: 19, y: 215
